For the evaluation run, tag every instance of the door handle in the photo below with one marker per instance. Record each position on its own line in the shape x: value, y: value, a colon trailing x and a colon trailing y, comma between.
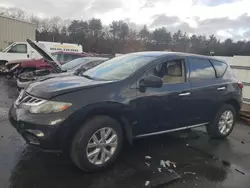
x: 221, y: 88
x: 184, y: 94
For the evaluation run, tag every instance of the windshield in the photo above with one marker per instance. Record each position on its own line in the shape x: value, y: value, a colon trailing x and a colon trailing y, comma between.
x: 118, y: 68
x: 7, y: 48
x: 74, y: 63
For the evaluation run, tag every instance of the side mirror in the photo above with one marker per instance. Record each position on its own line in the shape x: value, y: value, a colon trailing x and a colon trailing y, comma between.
x: 151, y: 81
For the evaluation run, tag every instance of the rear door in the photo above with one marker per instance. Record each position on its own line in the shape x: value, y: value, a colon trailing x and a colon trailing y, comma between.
x: 204, y: 90
x: 161, y: 109
x: 224, y: 84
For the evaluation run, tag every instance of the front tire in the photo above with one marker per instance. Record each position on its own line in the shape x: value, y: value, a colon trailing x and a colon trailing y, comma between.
x: 3, y: 68
x: 97, y: 144
x: 223, y: 123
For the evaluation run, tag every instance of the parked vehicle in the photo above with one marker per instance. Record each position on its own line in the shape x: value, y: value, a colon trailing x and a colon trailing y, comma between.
x: 16, y: 67
x: 130, y: 96
x: 22, y: 50
x: 74, y: 67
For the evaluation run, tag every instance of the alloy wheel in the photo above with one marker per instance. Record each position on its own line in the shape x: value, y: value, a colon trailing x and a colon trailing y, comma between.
x: 226, y: 122
x: 101, y: 146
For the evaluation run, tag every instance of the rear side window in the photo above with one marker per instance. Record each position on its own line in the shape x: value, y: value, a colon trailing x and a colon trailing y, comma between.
x: 201, y: 69
x: 220, y: 67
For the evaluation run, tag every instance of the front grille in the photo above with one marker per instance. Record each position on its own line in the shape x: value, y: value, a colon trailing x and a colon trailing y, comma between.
x: 26, y: 99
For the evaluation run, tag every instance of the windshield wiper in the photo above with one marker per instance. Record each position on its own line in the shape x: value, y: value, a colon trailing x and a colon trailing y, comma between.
x: 93, y: 78
x: 87, y: 76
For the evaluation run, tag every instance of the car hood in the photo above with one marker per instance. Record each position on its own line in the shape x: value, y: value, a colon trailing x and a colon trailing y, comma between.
x: 52, y: 87
x: 56, y: 66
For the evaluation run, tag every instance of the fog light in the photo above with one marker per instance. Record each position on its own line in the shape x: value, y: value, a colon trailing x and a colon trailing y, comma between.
x: 31, y: 139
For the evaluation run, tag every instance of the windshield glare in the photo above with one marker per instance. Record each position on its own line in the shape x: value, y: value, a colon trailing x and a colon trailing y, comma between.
x: 74, y: 63
x: 118, y: 68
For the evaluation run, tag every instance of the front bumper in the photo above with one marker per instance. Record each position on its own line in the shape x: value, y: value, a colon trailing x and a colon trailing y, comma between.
x: 44, y: 131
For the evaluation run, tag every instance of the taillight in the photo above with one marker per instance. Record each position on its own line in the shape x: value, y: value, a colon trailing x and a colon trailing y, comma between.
x: 240, y: 84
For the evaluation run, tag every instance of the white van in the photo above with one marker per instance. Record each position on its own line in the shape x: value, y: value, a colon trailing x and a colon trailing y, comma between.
x: 22, y: 50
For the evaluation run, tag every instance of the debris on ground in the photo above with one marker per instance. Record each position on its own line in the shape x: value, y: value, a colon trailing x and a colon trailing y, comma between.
x: 239, y: 171
x: 147, y: 183
x: 187, y: 145
x: 192, y: 173
x: 170, y: 170
x: 147, y: 164
x: 173, y: 172
x: 167, y: 163
x: 242, y: 142
x: 148, y: 157
x: 163, y: 164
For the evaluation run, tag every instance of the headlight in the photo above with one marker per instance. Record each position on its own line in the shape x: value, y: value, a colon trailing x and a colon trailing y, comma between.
x: 49, y: 107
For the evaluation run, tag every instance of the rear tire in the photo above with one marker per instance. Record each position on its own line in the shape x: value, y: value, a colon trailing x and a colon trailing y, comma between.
x: 91, y: 151
x: 223, y: 123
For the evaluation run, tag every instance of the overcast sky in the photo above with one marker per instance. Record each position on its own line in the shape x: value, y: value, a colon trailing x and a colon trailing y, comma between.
x: 225, y: 18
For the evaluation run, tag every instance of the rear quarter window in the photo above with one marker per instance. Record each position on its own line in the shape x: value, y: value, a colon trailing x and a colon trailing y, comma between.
x: 200, y: 69
x: 220, y: 67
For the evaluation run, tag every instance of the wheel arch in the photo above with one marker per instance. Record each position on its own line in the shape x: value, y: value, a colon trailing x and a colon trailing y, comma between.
x: 235, y: 103
x: 113, y: 110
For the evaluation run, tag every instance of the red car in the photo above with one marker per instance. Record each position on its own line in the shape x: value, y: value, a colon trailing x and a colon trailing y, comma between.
x: 19, y: 66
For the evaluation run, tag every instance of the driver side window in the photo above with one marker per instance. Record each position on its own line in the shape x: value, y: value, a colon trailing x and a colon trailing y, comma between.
x: 18, y: 48
x: 171, y: 71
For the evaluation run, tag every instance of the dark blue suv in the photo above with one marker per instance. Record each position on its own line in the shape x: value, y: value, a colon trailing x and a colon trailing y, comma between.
x: 130, y: 96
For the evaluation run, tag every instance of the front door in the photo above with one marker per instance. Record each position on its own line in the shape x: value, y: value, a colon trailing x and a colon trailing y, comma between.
x: 160, y: 109
x: 18, y: 51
